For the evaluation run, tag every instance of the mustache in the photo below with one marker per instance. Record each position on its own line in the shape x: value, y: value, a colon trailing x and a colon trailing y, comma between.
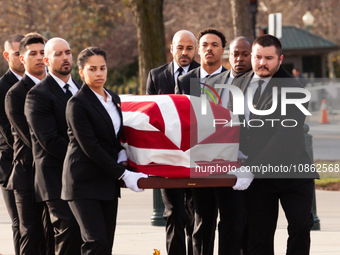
x: 263, y: 67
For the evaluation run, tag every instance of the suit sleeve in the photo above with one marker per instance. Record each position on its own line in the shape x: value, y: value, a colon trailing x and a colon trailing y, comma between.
x: 43, y: 124
x: 150, y: 85
x: 5, y: 126
x: 79, y: 123
x: 14, y: 107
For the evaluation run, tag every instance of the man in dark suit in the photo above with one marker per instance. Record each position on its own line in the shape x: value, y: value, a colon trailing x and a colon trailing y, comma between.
x: 45, y: 112
x: 274, y: 145
x: 162, y: 80
x: 21, y: 178
x: 211, y: 49
x: 15, y: 72
x: 178, y: 203
x: 230, y: 203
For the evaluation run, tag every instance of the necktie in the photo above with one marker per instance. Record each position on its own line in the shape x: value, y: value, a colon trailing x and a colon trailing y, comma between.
x: 68, y: 92
x: 180, y: 70
x: 257, y: 93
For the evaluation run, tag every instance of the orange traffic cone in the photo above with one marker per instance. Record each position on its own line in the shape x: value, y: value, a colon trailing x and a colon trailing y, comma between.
x: 324, y: 116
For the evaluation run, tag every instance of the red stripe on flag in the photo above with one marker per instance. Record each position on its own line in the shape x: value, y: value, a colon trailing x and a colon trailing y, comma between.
x: 183, y: 105
x: 148, y: 139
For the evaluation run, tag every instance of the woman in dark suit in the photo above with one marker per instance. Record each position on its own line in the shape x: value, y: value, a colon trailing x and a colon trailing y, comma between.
x: 95, y: 159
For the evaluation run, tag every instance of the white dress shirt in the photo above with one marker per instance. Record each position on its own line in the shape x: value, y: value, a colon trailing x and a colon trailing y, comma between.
x: 176, y: 72
x: 16, y: 75
x: 72, y: 87
x: 33, y: 78
x: 112, y: 110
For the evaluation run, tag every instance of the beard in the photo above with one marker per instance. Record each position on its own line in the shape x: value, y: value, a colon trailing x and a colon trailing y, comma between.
x: 63, y: 71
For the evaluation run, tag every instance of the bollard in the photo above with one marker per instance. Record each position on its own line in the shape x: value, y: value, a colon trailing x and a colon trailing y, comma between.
x: 309, y: 149
x: 158, y: 209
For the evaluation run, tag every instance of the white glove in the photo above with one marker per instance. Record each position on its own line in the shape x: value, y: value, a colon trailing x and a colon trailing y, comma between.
x: 244, y: 178
x: 131, y: 179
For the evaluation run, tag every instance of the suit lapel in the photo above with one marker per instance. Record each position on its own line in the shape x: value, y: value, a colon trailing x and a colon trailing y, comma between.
x: 100, y: 109
x: 56, y: 89
x: 27, y: 82
x: 11, y: 78
x: 169, y: 75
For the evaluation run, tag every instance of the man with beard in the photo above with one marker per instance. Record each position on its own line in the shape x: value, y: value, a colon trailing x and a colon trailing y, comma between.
x: 12, y: 76
x: 178, y: 211
x: 45, y: 112
x: 162, y: 80
x: 274, y: 145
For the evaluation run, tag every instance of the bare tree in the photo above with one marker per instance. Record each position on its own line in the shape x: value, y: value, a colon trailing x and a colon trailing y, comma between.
x: 242, y: 24
x: 150, y: 36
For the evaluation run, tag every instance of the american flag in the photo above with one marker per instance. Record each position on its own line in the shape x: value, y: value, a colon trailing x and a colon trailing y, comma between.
x: 167, y: 136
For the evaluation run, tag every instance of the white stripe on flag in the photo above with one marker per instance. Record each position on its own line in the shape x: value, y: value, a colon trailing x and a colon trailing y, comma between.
x: 211, y: 151
x: 205, y: 123
x: 158, y: 156
x: 171, y: 119
x: 138, y: 120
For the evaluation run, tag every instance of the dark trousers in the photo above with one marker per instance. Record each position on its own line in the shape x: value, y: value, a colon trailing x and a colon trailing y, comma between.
x: 9, y: 199
x: 66, y: 231
x: 179, y: 218
x: 263, y: 198
x: 32, y: 240
x: 97, y: 222
x: 231, y: 206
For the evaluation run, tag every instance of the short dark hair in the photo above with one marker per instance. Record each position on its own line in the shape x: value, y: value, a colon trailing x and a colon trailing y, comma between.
x: 13, y: 38
x: 31, y: 38
x: 214, y: 31
x: 241, y: 38
x: 89, y: 52
x: 269, y: 40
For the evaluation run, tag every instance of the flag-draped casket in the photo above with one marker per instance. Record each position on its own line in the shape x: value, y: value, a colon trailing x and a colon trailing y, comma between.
x: 167, y: 136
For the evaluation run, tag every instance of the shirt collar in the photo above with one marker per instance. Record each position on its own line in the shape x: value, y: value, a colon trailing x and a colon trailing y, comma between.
x: 34, y: 79
x: 204, y: 73
x: 176, y: 66
x: 62, y: 83
x: 101, y: 98
x: 15, y: 74
x: 256, y: 78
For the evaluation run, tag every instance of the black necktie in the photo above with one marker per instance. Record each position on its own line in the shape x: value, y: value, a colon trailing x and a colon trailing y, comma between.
x: 257, y: 93
x: 68, y: 92
x: 180, y: 70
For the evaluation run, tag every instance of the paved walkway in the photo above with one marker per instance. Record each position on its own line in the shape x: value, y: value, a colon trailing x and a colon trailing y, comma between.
x: 135, y: 235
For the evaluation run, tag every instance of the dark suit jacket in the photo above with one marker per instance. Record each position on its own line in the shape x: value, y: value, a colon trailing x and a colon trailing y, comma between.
x: 276, y: 145
x: 184, y: 82
x: 90, y: 167
x: 21, y: 177
x: 161, y: 79
x: 45, y: 112
x: 6, y: 137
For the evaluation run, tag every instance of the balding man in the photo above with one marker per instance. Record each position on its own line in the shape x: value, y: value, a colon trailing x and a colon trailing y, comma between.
x: 162, y: 80
x: 45, y: 112
x: 178, y: 202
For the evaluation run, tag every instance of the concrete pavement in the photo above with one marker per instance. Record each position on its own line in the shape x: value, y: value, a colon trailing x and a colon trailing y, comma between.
x: 135, y: 235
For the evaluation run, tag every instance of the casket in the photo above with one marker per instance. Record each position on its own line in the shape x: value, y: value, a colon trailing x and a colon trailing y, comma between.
x: 180, y: 141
